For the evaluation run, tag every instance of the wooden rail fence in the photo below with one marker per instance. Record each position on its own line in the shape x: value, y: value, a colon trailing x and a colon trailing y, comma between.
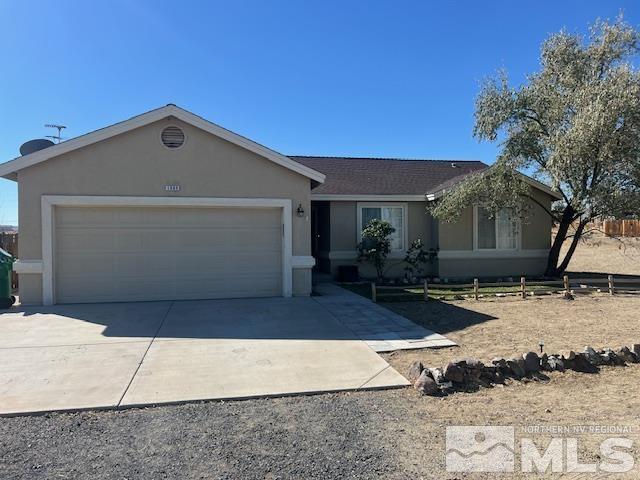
x: 577, y: 285
x: 622, y: 228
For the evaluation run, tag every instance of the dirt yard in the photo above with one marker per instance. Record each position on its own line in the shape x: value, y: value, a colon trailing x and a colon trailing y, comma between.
x: 510, y: 326
x: 599, y: 254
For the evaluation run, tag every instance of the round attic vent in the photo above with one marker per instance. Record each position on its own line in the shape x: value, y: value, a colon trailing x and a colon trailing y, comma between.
x: 172, y: 137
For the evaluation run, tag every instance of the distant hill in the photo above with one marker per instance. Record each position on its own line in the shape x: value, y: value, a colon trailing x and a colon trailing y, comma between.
x: 8, y: 228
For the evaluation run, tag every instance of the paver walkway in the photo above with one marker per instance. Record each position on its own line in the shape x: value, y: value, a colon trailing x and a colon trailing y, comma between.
x: 382, y: 329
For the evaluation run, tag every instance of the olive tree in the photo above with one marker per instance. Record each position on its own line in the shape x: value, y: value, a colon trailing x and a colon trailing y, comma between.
x: 574, y: 125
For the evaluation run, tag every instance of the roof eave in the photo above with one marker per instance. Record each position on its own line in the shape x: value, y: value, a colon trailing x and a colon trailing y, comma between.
x: 337, y: 197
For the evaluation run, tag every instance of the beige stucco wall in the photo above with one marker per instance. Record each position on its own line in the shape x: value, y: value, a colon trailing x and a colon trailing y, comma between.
x: 343, y: 218
x: 450, y: 238
x: 530, y: 261
x: 457, y: 235
x: 344, y: 234
x: 137, y: 164
x: 491, y: 267
x: 536, y: 227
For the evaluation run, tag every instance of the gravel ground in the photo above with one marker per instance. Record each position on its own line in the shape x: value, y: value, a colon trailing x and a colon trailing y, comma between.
x: 392, y: 434
x: 323, y: 436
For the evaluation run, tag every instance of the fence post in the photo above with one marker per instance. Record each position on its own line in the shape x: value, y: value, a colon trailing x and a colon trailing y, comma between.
x: 610, y: 279
x: 426, y: 290
x: 566, y: 283
x: 373, y: 292
x: 475, y: 288
x: 523, y: 287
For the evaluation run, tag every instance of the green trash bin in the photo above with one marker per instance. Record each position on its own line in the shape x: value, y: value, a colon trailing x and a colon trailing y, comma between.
x: 6, y: 264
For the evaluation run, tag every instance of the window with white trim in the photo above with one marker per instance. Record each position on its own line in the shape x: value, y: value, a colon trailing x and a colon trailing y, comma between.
x: 394, y: 214
x: 496, y: 232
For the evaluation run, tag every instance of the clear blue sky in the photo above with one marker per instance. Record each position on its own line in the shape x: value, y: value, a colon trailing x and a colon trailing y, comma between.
x: 374, y: 78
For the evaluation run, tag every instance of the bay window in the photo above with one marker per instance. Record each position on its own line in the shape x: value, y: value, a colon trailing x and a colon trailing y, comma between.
x: 394, y: 214
x: 499, y: 231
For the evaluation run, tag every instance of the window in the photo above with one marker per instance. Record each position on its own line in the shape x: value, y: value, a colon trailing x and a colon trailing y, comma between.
x: 499, y: 232
x: 394, y: 214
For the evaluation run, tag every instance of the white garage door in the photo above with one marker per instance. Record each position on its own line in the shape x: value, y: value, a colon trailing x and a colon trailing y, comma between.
x: 112, y: 254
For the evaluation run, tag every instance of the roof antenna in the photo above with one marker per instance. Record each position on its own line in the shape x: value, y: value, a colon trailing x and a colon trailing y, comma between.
x: 57, y: 138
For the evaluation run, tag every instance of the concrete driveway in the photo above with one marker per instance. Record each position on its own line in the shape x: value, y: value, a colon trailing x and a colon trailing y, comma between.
x: 125, y: 354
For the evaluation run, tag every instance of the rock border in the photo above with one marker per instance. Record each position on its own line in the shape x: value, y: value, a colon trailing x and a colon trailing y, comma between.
x: 470, y: 374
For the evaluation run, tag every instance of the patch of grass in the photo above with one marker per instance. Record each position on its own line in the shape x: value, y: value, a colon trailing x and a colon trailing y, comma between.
x: 412, y: 294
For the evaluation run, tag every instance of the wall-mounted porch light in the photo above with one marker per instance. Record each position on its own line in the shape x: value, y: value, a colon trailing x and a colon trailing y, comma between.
x: 300, y: 210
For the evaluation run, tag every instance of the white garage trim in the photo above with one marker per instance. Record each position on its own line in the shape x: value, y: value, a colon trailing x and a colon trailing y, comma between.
x: 303, y: 261
x: 48, y: 225
x: 27, y: 266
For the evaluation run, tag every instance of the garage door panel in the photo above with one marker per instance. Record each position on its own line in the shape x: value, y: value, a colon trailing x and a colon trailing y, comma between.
x: 148, y: 253
x: 240, y: 238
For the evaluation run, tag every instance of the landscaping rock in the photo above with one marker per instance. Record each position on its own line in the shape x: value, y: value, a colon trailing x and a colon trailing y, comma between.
x: 471, y: 377
x: 502, y: 369
x: 568, y: 359
x: 544, y: 362
x: 499, y: 362
x: 499, y: 378
x: 531, y: 362
x: 454, y: 372
x: 472, y: 371
x: 555, y: 364
x: 437, y: 375
x: 581, y: 363
x: 516, y: 367
x: 415, y: 370
x: 612, y: 358
x: 627, y: 355
x: 490, y: 373
x: 425, y: 384
x: 473, y: 363
x: 445, y: 386
x: 593, y: 357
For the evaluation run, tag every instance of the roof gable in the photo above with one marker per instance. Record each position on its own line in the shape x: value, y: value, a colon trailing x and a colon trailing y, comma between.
x: 9, y: 168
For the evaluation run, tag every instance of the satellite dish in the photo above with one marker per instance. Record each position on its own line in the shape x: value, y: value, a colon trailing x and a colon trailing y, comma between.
x: 34, y: 145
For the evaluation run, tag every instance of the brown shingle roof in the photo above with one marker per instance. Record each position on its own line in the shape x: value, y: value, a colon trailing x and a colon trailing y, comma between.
x: 386, y: 176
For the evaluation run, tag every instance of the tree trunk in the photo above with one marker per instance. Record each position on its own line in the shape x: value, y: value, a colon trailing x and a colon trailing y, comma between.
x: 572, y: 248
x: 554, y: 254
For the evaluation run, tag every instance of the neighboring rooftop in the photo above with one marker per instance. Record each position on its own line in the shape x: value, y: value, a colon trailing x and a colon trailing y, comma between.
x: 387, y: 176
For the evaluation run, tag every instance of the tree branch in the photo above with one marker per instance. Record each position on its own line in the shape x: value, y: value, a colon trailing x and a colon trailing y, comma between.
x: 536, y: 118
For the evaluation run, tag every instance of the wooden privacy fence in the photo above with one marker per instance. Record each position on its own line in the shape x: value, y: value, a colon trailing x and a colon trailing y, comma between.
x: 9, y: 242
x: 622, y: 228
x: 521, y: 288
